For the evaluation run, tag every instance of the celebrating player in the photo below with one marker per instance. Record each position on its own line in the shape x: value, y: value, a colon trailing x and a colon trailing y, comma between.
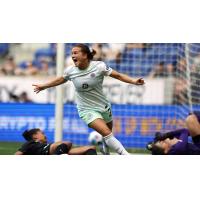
x: 176, y: 142
x: 37, y: 145
x: 93, y: 107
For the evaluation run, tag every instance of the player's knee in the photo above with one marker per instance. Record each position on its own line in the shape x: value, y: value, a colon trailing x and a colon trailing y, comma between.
x: 106, y: 132
x: 190, y: 119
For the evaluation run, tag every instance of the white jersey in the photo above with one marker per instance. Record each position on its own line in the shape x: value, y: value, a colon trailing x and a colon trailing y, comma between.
x: 88, y: 85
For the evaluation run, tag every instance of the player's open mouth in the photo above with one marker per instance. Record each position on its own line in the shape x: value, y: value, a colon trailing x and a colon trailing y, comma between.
x: 75, y: 60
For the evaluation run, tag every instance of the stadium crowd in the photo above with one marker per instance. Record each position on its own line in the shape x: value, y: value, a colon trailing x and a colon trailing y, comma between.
x: 152, y: 60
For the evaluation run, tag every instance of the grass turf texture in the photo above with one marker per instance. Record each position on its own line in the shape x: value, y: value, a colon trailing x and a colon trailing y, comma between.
x: 9, y: 148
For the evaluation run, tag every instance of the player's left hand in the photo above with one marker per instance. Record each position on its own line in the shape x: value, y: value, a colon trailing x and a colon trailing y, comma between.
x: 139, y: 81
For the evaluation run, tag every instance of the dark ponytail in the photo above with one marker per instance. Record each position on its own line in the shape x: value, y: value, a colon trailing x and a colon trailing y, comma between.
x: 85, y: 49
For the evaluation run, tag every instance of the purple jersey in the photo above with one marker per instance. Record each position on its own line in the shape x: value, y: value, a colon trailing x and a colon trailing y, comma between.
x: 184, y: 147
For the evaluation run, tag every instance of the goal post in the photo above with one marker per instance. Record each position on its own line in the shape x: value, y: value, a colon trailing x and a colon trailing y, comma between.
x: 60, y: 58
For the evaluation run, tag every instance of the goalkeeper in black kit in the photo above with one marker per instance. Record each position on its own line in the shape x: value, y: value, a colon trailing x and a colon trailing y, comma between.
x: 36, y: 144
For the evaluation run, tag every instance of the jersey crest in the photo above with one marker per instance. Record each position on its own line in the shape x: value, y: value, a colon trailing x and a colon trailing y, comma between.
x: 85, y: 86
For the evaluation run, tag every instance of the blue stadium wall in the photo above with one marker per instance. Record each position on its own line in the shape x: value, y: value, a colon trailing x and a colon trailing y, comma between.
x: 134, y: 125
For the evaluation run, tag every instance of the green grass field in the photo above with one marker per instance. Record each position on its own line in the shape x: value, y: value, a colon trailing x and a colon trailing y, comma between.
x: 9, y: 148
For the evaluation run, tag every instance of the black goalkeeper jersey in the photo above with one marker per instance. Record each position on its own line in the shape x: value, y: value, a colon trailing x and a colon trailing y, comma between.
x: 35, y: 148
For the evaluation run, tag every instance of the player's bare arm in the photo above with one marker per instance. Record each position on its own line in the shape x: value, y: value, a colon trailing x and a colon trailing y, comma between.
x: 19, y: 153
x: 80, y: 150
x: 57, y: 81
x: 127, y: 79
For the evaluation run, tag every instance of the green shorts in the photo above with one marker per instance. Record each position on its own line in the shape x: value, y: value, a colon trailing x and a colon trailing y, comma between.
x: 89, y: 116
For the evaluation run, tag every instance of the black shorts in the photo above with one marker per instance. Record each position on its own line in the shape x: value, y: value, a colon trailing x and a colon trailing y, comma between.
x: 45, y: 150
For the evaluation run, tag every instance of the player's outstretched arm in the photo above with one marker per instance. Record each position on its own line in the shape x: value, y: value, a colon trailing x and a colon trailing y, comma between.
x: 53, y: 83
x: 127, y: 79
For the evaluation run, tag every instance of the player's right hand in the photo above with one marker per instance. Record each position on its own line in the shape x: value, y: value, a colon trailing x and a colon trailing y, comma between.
x: 38, y: 88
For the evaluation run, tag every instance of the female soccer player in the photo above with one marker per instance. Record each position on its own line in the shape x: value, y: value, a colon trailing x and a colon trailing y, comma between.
x: 176, y: 142
x: 36, y: 144
x: 93, y: 107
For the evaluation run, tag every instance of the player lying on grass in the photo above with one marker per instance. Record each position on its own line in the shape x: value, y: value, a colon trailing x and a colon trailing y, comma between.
x: 37, y: 145
x: 176, y: 142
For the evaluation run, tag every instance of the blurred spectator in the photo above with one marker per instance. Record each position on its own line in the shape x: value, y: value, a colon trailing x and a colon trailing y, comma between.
x: 100, y: 55
x: 158, y: 71
x: 180, y: 92
x: 181, y: 68
x: 196, y: 61
x: 118, y: 58
x: 112, y: 50
x: 45, y: 69
x: 13, y: 97
x: 9, y: 66
x: 170, y: 70
x: 23, y: 98
x: 31, y: 69
x: 130, y: 46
